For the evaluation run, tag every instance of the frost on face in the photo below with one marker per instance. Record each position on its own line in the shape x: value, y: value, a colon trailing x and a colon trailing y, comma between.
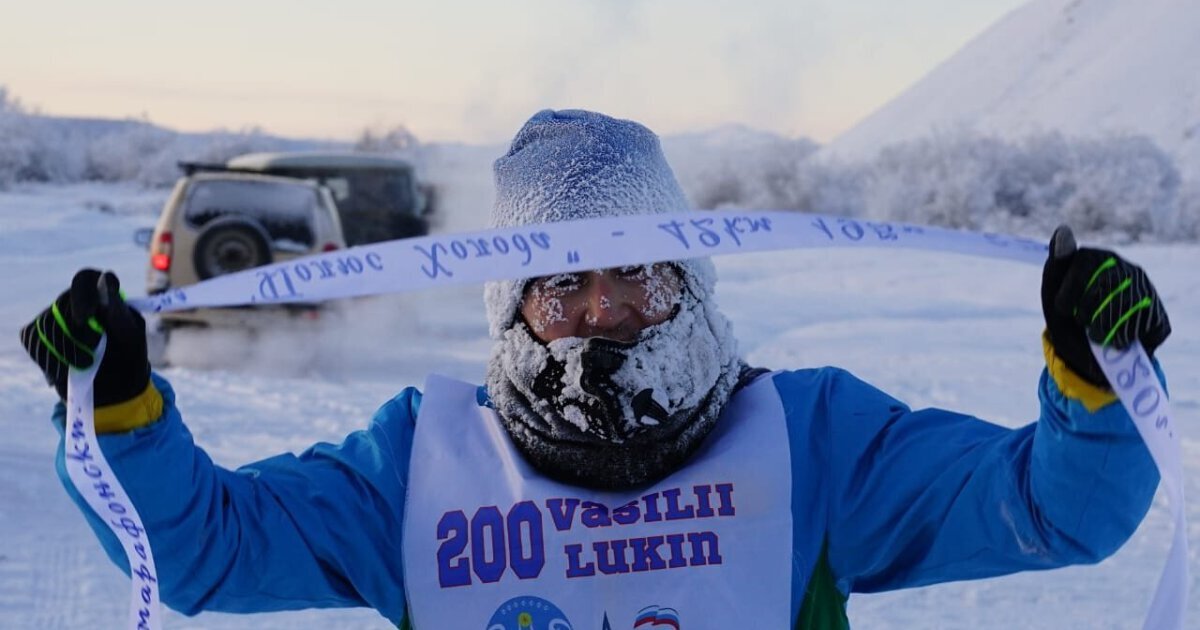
x: 576, y: 417
x: 662, y: 286
x: 654, y: 290
x: 545, y: 297
x: 569, y: 165
x: 678, y: 361
x: 546, y: 312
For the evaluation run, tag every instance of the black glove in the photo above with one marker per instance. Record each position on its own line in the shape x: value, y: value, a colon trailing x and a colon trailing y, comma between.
x: 1095, y: 294
x: 69, y: 336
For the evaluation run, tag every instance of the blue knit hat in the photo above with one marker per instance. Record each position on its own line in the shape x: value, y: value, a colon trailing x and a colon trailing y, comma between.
x: 576, y: 164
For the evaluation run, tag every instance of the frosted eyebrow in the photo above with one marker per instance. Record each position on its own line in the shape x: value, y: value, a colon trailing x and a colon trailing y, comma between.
x: 556, y: 281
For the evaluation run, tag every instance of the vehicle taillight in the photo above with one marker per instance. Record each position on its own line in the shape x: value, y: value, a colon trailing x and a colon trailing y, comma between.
x: 160, y: 252
x: 329, y: 247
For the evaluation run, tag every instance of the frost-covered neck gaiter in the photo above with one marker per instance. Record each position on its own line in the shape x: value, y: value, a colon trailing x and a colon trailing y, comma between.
x: 607, y: 414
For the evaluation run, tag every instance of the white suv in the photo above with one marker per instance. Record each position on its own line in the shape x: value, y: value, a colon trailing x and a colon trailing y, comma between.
x: 378, y: 197
x: 219, y: 223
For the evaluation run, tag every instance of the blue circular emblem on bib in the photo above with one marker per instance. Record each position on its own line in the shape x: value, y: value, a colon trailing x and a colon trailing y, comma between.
x: 528, y: 613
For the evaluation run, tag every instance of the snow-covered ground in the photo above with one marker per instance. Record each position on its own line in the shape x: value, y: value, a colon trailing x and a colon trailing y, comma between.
x: 934, y: 330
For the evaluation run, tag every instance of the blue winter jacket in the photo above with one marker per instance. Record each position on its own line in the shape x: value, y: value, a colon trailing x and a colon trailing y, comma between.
x: 898, y: 498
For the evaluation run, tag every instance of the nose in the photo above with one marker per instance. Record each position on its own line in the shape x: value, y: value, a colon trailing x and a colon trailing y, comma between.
x: 607, y: 311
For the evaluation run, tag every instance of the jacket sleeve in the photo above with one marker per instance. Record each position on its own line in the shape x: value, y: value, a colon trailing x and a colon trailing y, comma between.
x: 927, y: 496
x: 311, y: 531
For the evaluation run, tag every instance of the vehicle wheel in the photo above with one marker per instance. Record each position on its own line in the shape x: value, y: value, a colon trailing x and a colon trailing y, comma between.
x: 229, y: 245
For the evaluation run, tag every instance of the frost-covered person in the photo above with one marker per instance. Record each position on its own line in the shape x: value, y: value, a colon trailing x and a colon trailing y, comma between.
x: 622, y: 464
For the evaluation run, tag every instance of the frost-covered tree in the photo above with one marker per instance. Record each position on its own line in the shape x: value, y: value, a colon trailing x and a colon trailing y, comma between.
x: 739, y: 167
x: 123, y: 154
x: 394, y: 140
x: 1120, y: 187
x: 31, y: 150
x: 36, y: 148
x: 1123, y: 186
x: 9, y: 103
x: 161, y: 167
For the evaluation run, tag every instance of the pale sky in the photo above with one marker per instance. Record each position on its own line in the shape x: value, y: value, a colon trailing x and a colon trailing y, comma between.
x: 473, y: 71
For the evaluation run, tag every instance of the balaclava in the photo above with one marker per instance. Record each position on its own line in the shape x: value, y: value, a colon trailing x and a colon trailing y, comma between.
x: 598, y: 412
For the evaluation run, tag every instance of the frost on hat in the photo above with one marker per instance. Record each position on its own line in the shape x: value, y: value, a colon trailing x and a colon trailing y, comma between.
x: 575, y: 164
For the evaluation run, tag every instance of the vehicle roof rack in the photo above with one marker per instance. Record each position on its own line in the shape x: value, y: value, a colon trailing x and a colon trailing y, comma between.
x: 191, y: 168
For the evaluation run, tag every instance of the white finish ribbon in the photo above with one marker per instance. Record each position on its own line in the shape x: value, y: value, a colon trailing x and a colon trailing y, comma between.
x: 1133, y: 379
x: 538, y: 250
x: 95, y: 480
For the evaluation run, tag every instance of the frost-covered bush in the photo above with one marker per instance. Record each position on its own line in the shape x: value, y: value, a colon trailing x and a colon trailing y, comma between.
x: 736, y: 166
x: 161, y: 167
x: 1122, y: 187
x: 1185, y: 224
x: 387, y: 141
x: 824, y: 188
x: 31, y: 150
x: 150, y: 155
x: 9, y: 103
x: 951, y: 183
x: 50, y: 149
x: 16, y: 149
x: 1125, y: 186
x: 122, y: 155
x: 41, y: 149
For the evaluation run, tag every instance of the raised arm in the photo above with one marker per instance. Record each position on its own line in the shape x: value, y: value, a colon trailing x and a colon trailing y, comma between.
x: 321, y: 529
x: 927, y: 496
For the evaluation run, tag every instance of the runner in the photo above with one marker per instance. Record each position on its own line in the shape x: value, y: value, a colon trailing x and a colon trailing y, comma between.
x: 621, y: 445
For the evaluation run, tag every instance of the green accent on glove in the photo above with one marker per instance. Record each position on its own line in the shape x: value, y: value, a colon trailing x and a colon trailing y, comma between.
x: 62, y: 324
x: 1128, y: 282
x: 1145, y: 303
x: 1108, y: 264
x: 48, y: 344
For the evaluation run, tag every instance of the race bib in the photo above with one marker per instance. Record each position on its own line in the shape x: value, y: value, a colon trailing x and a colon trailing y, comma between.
x: 491, y: 544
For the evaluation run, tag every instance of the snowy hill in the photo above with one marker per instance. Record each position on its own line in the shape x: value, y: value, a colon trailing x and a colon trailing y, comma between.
x: 1082, y: 67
